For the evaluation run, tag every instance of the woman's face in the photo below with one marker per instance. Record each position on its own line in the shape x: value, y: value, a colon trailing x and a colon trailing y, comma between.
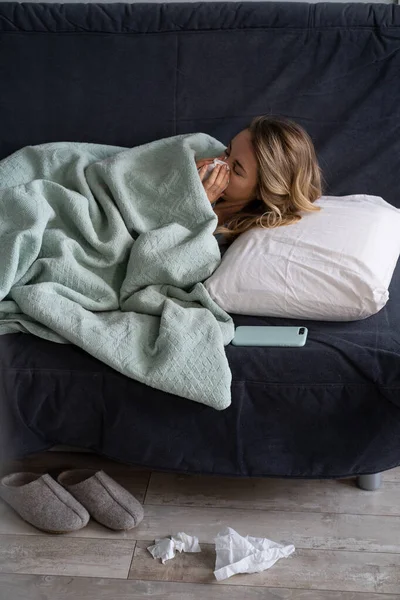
x: 242, y: 161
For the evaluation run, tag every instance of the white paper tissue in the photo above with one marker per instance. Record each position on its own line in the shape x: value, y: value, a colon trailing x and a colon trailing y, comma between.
x: 165, y: 548
x: 238, y: 554
x: 212, y: 166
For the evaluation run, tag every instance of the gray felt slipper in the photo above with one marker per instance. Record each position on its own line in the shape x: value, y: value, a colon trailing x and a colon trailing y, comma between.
x: 107, y: 502
x: 42, y: 502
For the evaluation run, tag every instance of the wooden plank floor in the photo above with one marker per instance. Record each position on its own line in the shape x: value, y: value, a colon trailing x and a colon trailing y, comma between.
x: 347, y: 540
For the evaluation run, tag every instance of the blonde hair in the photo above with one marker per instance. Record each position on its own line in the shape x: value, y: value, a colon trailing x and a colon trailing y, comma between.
x: 288, y: 178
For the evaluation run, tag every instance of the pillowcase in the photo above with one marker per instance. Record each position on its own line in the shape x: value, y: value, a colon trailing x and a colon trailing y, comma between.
x: 332, y: 265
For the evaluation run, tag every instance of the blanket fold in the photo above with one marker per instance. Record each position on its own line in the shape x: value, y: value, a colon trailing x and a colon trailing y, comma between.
x: 107, y: 247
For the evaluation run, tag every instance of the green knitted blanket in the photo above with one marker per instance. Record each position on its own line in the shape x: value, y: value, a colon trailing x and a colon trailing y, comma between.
x: 106, y: 247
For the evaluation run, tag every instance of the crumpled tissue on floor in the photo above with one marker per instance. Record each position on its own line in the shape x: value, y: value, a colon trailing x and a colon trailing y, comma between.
x: 238, y: 554
x: 165, y: 548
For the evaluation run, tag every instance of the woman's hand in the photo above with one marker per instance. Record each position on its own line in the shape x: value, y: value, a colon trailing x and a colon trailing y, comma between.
x: 218, y: 180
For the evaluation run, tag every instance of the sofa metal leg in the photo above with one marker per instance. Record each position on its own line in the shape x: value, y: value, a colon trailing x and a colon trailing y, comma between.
x: 369, y: 482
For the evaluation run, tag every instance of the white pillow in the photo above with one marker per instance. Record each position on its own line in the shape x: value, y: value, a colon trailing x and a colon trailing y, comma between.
x: 332, y: 265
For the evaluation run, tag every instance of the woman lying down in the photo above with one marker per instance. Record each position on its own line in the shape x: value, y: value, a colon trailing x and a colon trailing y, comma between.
x: 107, y: 247
x: 270, y: 174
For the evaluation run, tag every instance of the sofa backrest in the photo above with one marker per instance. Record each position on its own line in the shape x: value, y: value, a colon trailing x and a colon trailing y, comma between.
x: 126, y: 74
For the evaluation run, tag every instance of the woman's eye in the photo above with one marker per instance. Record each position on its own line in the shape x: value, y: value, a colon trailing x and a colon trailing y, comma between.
x: 236, y: 173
